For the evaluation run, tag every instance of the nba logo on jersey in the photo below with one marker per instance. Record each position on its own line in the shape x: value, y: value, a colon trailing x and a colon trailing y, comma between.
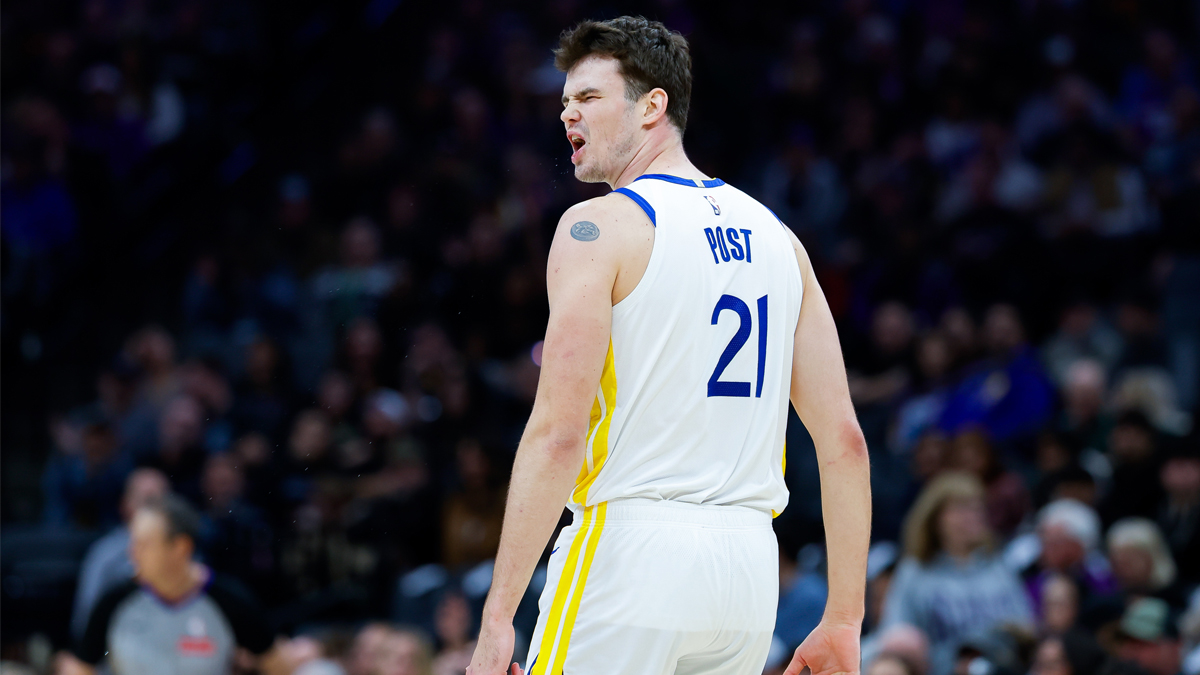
x: 713, y: 203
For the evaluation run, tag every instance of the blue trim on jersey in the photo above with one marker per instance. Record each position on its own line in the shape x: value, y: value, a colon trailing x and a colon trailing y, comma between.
x: 716, y: 182
x: 640, y: 202
x: 773, y: 213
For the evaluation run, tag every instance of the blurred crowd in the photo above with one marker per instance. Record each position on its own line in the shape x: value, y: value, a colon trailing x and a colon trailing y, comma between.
x: 287, y: 261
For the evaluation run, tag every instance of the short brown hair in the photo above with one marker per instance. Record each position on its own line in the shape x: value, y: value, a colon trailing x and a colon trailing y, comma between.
x: 650, y: 55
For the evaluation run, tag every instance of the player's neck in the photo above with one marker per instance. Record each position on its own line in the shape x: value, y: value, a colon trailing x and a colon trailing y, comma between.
x: 661, y: 153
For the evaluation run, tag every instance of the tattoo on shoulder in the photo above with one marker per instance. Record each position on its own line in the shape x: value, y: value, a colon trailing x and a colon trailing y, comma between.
x: 585, y: 230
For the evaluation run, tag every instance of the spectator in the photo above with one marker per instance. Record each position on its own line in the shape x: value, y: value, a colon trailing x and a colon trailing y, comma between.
x: 453, y: 623
x: 1083, y: 335
x: 902, y: 641
x: 1069, y: 532
x: 1060, y: 605
x: 1071, y: 482
x: 364, y: 358
x: 888, y: 361
x: 180, y: 453
x: 959, y: 329
x: 473, y: 513
x: 1072, y: 653
x: 1146, y: 88
x: 1141, y: 561
x: 889, y: 664
x: 107, y: 562
x: 367, y: 650
x: 1147, y: 637
x: 109, y: 130
x: 802, y: 595
x: 1084, y: 422
x: 40, y: 221
x: 261, y: 403
x: 152, y: 349
x: 1135, y: 489
x: 1009, y: 395
x: 1179, y: 515
x: 235, y: 536
x: 1007, y: 498
x: 405, y: 652
x: 82, y: 483
x: 179, y: 610
x: 950, y: 585
x: 881, y: 568
x: 924, y: 406
x: 361, y: 280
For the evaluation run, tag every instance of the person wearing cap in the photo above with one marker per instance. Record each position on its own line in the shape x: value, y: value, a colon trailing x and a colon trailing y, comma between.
x: 1147, y: 636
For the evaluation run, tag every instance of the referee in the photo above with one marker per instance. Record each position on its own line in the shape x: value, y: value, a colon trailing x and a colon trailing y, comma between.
x: 175, y: 616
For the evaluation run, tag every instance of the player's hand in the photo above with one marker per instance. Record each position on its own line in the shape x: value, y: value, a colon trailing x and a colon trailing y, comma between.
x: 831, y: 649
x: 494, y: 649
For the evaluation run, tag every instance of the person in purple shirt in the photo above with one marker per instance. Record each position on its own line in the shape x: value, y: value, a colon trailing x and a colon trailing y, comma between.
x: 1069, y: 535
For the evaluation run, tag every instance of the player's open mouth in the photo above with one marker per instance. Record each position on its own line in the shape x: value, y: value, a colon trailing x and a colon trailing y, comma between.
x: 577, y: 143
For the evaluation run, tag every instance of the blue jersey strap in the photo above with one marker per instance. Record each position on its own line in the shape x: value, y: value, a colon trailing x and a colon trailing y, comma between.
x: 637, y: 199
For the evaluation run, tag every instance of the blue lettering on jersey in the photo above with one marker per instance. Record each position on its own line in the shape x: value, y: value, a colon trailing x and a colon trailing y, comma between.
x: 721, y: 243
x: 735, y: 248
x: 728, y: 244
x: 712, y: 243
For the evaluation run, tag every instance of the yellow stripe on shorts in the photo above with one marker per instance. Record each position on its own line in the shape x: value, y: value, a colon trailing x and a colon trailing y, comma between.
x: 564, y: 642
x: 556, y: 638
x: 553, y: 650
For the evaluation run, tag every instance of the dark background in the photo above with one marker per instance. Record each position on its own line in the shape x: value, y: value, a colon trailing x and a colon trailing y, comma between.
x: 235, y: 232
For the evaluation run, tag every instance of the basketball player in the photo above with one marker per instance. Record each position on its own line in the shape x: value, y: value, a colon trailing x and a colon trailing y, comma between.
x: 675, y: 304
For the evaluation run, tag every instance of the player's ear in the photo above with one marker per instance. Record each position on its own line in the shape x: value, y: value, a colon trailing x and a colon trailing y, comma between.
x: 654, y: 106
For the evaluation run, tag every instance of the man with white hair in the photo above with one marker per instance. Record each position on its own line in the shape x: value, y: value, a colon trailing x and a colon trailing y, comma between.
x: 1069, y: 533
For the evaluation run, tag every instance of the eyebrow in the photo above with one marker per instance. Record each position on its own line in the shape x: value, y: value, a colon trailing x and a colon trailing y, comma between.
x: 579, y: 94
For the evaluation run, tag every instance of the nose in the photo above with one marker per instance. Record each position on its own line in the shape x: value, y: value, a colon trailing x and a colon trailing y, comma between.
x: 569, y: 114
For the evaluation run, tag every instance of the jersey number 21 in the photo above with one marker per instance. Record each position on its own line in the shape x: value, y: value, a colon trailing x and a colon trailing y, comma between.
x: 719, y: 387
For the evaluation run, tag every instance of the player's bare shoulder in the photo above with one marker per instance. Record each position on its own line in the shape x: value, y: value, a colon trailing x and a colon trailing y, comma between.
x: 610, y: 231
x: 612, y: 218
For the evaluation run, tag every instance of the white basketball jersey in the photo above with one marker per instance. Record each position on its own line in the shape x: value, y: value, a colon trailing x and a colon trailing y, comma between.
x: 693, y: 399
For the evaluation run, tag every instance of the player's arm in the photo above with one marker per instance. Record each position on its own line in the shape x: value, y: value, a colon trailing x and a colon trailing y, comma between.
x: 580, y: 272
x: 822, y: 399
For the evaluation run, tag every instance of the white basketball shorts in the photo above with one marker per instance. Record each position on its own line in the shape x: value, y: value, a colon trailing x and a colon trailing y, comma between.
x: 638, y: 587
